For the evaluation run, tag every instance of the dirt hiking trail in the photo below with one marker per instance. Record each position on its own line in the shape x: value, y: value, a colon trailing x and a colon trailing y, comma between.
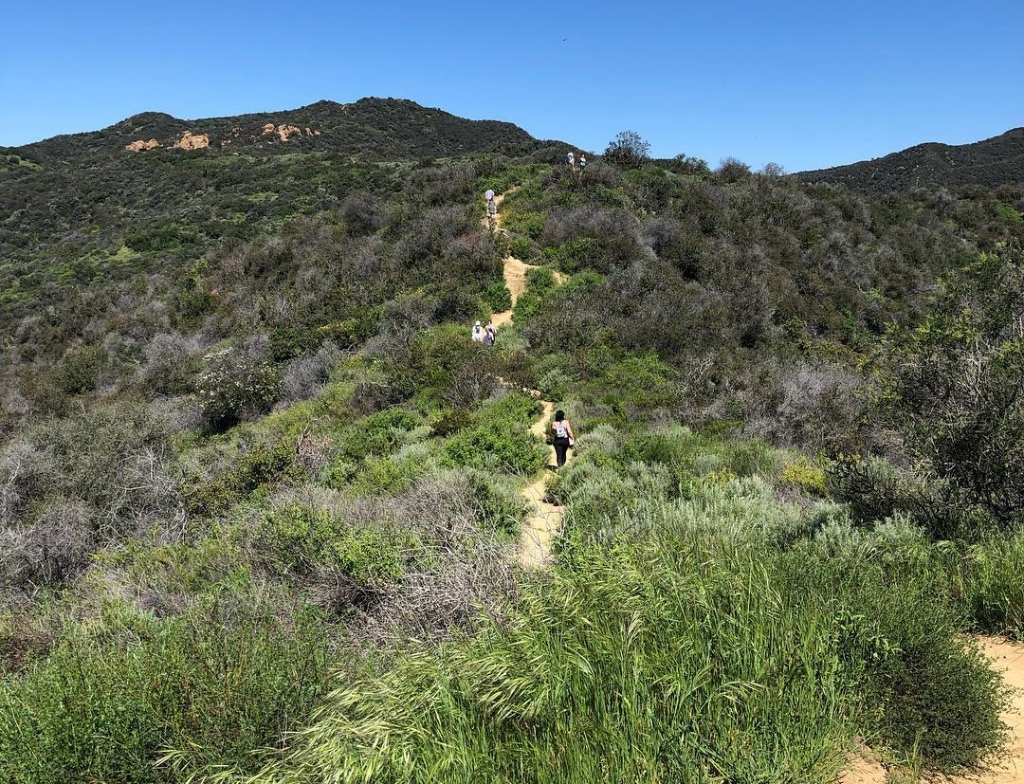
x: 544, y: 520
x: 1007, y: 658
x: 514, y: 269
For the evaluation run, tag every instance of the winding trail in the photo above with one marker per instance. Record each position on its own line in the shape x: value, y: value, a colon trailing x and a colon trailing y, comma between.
x: 544, y: 520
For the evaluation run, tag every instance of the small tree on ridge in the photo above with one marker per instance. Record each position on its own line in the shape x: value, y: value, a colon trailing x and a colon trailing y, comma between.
x: 628, y: 149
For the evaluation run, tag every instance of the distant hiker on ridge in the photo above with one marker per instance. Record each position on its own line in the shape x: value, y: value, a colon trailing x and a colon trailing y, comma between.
x: 583, y: 161
x: 570, y: 161
x: 478, y: 333
x: 490, y: 334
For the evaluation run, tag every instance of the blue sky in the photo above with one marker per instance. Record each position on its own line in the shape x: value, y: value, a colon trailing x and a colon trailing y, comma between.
x: 803, y: 84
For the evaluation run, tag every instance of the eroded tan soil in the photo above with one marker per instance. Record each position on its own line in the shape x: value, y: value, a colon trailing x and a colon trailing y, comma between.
x: 192, y: 141
x: 285, y: 132
x: 140, y: 145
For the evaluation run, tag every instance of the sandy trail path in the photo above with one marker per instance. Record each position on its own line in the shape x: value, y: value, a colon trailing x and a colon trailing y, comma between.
x: 1007, y: 658
x: 544, y: 520
x: 514, y: 269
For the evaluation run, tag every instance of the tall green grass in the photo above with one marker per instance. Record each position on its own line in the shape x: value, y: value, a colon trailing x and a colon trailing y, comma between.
x: 697, y: 628
x: 649, y: 664
x: 218, y: 685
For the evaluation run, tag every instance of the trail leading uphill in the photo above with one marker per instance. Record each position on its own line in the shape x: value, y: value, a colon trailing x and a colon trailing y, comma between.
x: 514, y: 270
x: 544, y: 520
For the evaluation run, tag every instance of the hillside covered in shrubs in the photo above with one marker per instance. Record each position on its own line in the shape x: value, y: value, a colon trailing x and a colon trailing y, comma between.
x: 260, y: 493
x: 989, y: 163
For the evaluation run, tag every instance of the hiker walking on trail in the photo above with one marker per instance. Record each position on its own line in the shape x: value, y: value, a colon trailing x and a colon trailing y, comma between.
x: 478, y: 333
x: 492, y: 208
x: 490, y: 335
x: 563, y: 437
x: 570, y: 160
x: 583, y: 161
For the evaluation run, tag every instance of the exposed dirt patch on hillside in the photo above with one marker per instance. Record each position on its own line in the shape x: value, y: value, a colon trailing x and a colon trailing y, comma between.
x: 192, y: 141
x: 286, y: 132
x: 141, y: 145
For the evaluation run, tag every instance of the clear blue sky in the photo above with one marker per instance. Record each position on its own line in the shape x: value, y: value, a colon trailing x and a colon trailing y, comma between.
x: 804, y: 84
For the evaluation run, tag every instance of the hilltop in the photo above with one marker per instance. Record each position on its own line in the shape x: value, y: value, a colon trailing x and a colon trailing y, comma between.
x: 372, y: 128
x: 154, y: 189
x: 991, y: 162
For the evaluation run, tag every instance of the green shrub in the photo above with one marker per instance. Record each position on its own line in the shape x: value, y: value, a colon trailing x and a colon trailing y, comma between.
x: 637, y: 384
x: 297, y: 538
x: 373, y: 556
x: 531, y: 224
x: 804, y: 475
x: 78, y: 371
x: 452, y: 421
x: 498, y: 503
x: 521, y: 248
x: 443, y: 366
x: 261, y: 464
x: 393, y: 474
x: 540, y: 281
x: 875, y: 489
x: 114, y: 459
x: 952, y: 387
x: 935, y: 699
x: 378, y: 434
x: 989, y: 575
x: 234, y: 387
x: 497, y: 297
x: 499, y: 439
x: 303, y: 539
x: 491, y: 446
x: 512, y: 410
x: 924, y: 691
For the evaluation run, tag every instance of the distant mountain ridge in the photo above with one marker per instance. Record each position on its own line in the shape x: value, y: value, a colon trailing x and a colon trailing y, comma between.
x: 991, y: 162
x: 372, y: 128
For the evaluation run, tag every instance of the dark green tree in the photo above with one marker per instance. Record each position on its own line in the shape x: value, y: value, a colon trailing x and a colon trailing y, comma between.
x: 628, y: 149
